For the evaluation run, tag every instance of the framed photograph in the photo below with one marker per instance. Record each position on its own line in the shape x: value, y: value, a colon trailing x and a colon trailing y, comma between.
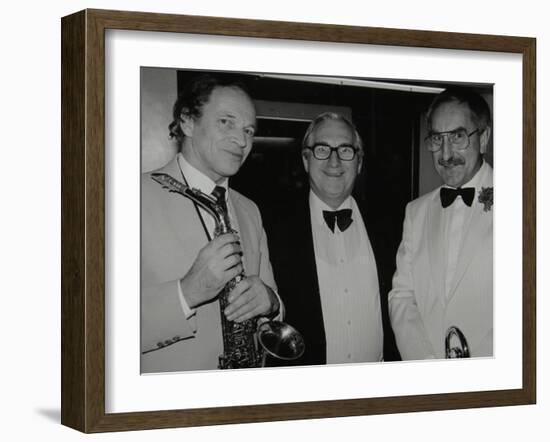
x: 123, y: 74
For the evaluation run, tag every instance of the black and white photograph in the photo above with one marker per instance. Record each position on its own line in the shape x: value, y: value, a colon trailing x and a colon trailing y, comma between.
x: 275, y: 221
x: 306, y: 220
x: 268, y: 221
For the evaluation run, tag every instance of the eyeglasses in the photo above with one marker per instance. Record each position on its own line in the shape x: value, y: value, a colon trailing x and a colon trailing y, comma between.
x: 346, y: 152
x: 459, y: 139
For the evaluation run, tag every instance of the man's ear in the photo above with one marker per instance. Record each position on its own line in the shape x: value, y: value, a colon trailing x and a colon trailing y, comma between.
x: 187, y: 124
x: 484, y: 140
x: 359, y: 161
x: 305, y: 159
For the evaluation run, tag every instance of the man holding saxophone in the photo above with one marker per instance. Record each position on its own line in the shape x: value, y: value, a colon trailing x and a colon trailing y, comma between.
x: 184, y: 263
x: 443, y: 285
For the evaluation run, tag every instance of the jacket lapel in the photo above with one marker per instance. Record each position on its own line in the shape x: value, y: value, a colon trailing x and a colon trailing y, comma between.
x: 476, y: 228
x: 308, y: 255
x: 241, y: 224
x: 436, y: 245
x: 183, y: 215
x: 311, y: 308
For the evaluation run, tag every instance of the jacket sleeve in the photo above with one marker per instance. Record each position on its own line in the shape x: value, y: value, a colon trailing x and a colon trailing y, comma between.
x: 163, y: 321
x: 163, y: 318
x: 266, y: 271
x: 406, y: 320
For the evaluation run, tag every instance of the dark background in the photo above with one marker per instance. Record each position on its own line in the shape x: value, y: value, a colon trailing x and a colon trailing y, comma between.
x: 390, y: 123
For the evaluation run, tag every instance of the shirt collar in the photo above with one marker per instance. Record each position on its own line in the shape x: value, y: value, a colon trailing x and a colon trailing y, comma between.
x: 479, y: 177
x: 196, y: 179
x: 317, y: 206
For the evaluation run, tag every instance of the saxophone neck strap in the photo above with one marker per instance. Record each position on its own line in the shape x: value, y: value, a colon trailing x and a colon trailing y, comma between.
x: 199, y: 214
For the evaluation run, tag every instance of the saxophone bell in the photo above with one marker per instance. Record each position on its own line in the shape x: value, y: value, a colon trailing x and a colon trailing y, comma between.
x: 281, y: 340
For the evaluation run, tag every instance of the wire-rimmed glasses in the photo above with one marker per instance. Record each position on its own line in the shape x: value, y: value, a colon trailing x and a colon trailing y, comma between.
x: 458, y: 138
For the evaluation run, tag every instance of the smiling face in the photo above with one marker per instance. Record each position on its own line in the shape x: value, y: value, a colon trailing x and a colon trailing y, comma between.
x: 218, y: 141
x: 456, y: 168
x: 331, y: 179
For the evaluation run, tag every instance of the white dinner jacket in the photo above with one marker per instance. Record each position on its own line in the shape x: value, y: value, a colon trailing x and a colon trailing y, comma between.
x: 420, y: 311
x: 171, y: 237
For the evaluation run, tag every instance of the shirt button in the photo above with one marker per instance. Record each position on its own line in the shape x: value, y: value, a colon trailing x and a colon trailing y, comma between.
x: 341, y: 261
x: 349, y: 322
x: 349, y: 356
x: 345, y: 290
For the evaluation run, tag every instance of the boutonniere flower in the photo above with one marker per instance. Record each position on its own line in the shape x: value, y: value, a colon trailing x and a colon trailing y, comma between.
x: 485, y: 197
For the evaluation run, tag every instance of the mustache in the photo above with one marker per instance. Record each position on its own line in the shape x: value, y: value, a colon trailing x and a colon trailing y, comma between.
x: 453, y: 161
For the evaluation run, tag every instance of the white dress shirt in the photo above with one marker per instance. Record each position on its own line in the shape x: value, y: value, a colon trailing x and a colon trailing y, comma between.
x: 348, y: 285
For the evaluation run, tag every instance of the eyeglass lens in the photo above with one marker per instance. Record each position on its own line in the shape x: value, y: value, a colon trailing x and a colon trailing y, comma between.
x: 323, y: 152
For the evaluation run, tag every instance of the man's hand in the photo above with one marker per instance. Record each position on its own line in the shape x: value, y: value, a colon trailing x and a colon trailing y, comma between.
x: 217, y: 263
x: 251, y: 298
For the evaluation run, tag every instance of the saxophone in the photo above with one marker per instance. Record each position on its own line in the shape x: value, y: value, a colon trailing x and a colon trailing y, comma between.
x: 240, y: 349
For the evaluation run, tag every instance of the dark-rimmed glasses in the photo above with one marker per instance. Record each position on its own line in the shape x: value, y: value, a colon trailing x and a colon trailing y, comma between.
x: 345, y: 152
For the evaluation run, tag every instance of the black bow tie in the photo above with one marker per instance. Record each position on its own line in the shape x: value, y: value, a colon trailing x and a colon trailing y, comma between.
x: 342, y: 217
x: 448, y: 195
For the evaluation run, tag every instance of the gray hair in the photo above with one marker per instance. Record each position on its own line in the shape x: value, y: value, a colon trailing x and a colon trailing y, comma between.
x: 333, y: 116
x: 481, y: 114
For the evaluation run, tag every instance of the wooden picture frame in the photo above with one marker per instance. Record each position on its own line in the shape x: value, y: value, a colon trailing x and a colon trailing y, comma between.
x: 83, y: 220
